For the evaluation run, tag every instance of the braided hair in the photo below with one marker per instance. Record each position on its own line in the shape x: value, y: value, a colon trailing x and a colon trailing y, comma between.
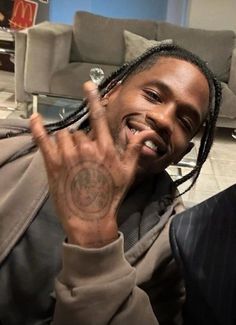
x: 144, y: 62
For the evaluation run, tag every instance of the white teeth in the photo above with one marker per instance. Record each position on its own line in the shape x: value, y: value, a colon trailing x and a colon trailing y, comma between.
x: 150, y: 145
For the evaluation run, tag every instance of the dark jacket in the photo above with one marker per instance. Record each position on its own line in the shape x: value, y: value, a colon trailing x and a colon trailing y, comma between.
x: 203, y: 240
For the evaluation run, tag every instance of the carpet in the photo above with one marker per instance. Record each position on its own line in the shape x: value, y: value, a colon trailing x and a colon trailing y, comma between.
x: 7, y: 104
x: 4, y: 114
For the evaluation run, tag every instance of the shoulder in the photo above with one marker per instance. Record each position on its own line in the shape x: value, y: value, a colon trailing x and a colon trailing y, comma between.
x: 13, y: 125
x: 202, y: 240
x: 13, y: 145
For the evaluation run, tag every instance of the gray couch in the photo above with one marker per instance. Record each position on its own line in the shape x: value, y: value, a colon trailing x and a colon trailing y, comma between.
x: 55, y: 59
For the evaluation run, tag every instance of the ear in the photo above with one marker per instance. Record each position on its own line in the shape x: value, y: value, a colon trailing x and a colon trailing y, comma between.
x: 187, y: 150
x: 104, y: 101
x: 114, y: 90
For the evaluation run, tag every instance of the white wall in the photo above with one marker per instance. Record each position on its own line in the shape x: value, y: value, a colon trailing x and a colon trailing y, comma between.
x: 176, y: 12
x: 212, y: 14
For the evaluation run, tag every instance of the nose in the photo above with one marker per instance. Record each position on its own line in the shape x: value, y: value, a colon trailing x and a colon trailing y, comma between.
x: 162, y: 120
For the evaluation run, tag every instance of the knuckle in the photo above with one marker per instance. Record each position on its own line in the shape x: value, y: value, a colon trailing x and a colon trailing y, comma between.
x: 135, y: 147
x: 92, y: 93
x: 69, y: 156
x: 40, y: 137
x: 78, y: 135
x: 98, y: 113
x: 86, y: 147
x: 60, y: 135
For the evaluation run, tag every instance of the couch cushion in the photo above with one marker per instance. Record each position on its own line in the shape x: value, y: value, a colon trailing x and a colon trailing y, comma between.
x: 99, y: 39
x: 135, y: 45
x: 228, y: 105
x: 215, y: 47
x: 68, y: 81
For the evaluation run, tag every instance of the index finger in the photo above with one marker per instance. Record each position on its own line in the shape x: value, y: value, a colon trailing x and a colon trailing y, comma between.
x: 98, y: 117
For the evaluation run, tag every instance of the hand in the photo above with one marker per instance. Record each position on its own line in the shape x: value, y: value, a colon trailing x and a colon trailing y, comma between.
x: 88, y: 178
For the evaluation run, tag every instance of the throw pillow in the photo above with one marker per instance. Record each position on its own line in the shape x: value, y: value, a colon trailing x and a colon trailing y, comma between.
x: 135, y: 45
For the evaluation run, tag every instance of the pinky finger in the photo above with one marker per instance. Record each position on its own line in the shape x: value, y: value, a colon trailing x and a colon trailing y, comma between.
x: 41, y: 137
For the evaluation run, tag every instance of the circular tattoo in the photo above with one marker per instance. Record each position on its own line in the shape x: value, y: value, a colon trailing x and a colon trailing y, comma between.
x: 89, y: 190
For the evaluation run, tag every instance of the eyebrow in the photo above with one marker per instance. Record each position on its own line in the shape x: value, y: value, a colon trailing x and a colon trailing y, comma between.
x: 185, y: 107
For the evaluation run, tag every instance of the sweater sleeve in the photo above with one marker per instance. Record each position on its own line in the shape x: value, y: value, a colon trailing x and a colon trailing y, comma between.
x: 97, y: 286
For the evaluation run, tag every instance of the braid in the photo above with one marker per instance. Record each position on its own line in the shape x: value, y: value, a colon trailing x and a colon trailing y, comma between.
x: 206, y: 140
x: 144, y: 62
x: 103, y: 88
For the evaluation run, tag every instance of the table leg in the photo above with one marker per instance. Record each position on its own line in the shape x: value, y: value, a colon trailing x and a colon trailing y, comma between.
x: 35, y: 103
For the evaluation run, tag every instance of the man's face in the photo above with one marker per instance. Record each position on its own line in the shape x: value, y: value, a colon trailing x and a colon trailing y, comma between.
x: 172, y: 98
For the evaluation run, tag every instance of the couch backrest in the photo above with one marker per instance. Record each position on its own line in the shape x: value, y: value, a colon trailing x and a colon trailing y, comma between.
x: 99, y: 39
x: 215, y: 47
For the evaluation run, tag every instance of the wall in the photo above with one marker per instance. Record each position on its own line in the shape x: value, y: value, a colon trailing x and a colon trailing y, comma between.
x: 212, y: 14
x: 63, y: 10
x: 176, y: 12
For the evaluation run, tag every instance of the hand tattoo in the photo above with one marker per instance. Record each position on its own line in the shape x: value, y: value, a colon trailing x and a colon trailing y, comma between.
x: 89, y: 190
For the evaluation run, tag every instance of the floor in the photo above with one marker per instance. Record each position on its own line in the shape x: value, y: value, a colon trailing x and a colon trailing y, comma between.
x: 218, y: 172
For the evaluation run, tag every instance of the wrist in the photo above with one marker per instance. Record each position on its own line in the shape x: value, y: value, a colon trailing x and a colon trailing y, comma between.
x: 90, y: 235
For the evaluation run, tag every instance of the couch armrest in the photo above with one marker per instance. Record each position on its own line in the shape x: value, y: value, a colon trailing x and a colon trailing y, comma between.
x: 232, y: 75
x: 20, y: 52
x: 48, y: 50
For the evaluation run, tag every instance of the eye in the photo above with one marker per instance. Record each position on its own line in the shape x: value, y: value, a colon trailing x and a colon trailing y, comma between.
x: 153, y: 96
x: 186, y: 123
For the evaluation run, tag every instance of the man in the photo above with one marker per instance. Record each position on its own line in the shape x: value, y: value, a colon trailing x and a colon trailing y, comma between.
x: 111, y: 194
x: 203, y: 242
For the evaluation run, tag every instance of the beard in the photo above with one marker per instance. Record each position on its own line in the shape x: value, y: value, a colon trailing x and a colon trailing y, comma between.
x: 115, y: 134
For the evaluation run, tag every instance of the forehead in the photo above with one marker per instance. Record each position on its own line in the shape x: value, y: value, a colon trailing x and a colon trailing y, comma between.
x: 176, y: 66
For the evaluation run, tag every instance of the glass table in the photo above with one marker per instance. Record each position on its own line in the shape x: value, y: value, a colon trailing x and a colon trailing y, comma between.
x: 54, y: 108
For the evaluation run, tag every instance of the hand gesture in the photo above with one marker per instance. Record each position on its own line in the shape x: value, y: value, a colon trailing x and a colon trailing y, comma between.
x: 88, y: 177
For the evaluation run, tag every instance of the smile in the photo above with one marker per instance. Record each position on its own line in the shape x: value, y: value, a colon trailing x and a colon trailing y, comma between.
x: 155, y: 144
x: 150, y: 144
